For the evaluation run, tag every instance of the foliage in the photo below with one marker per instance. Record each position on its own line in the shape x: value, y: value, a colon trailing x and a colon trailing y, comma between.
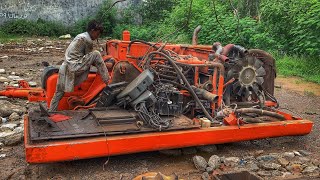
x: 38, y: 28
x: 295, y: 24
x: 4, y: 37
x: 105, y: 15
x: 307, y: 68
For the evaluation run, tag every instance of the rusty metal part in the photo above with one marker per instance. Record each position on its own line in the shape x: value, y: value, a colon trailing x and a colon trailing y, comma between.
x: 195, y: 35
x: 260, y: 112
x: 206, y: 94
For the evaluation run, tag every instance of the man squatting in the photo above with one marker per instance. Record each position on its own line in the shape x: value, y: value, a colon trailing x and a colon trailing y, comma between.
x: 79, y: 57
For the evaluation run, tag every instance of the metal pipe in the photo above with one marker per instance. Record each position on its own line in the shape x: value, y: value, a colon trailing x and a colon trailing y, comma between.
x: 260, y: 112
x: 229, y: 47
x: 195, y: 35
x: 206, y: 94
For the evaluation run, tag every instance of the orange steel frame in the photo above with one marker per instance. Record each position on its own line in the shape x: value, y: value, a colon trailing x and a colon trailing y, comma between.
x: 84, y: 148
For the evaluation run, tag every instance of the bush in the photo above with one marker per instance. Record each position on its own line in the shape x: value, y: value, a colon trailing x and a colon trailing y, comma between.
x: 38, y: 28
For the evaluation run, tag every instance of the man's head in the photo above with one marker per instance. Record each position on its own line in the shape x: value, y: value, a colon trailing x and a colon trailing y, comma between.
x: 95, y: 29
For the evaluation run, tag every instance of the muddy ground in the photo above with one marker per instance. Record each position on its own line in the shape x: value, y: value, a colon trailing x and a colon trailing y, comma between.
x: 25, y: 59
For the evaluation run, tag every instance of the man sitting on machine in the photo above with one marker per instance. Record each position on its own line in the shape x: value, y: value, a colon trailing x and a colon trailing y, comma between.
x: 79, y: 57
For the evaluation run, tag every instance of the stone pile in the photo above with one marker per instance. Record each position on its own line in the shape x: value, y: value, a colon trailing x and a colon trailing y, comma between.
x: 272, y: 165
x: 11, y: 123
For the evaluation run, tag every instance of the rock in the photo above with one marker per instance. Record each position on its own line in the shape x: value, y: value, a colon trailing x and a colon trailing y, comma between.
x: 304, y: 152
x: 249, y: 159
x: 6, y: 127
x: 2, y: 71
x: 11, y: 138
x: 200, y: 163
x: 231, y: 161
x: 171, y: 152
x: 253, y: 167
x: 295, y: 168
x: 209, y: 169
x: 214, y: 161
x: 4, y: 98
x: 266, y: 158
x: 14, y: 117
x: 3, y: 155
x: 207, y: 148
x: 18, y: 129
x: 1, y: 144
x: 67, y: 36
x: 283, y: 162
x: 40, y: 49
x: 270, y: 166
x: 15, y: 78
x: 7, y: 108
x: 310, y: 169
x: 264, y: 173
x: 3, y: 120
x: 4, y: 79
x: 4, y: 57
x: 32, y: 84
x: 189, y: 150
x: 304, y: 159
x: 276, y: 173
x: 297, y: 153
x: 258, y: 152
x: 315, y: 162
x: 289, y: 154
x: 286, y: 175
x: 13, y: 73
x: 205, y: 176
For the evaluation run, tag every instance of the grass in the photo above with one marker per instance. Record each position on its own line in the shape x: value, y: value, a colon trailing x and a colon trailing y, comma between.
x: 306, y: 68
x: 4, y: 38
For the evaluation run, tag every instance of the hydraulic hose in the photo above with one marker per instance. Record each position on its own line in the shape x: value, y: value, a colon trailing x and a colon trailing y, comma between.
x: 191, y: 91
x: 260, y: 112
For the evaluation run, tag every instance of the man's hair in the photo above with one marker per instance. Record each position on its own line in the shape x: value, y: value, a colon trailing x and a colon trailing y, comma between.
x: 95, y: 25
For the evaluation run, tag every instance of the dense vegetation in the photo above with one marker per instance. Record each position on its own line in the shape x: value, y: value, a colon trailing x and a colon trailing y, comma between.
x: 288, y: 29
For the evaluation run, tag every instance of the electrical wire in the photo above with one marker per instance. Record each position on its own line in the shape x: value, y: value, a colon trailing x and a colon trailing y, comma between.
x: 107, y: 147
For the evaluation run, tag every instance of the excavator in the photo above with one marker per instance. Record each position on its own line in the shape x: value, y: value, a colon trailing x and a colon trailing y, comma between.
x: 161, y: 96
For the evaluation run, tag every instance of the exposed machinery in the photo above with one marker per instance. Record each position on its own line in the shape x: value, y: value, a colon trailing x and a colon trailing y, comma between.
x: 161, y: 96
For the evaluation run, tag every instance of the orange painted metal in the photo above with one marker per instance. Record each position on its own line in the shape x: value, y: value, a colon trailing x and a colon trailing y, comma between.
x: 32, y: 94
x: 83, y: 148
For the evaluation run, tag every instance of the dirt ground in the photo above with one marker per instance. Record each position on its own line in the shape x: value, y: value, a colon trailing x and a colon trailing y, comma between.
x: 25, y: 59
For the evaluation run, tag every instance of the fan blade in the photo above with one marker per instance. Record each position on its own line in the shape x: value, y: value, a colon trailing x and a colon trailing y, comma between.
x: 237, y: 67
x: 240, y: 91
x: 236, y: 85
x: 250, y: 61
x: 258, y: 64
x: 236, y: 75
x: 261, y: 72
x: 260, y: 80
x: 244, y: 62
x: 240, y: 63
x: 247, y: 93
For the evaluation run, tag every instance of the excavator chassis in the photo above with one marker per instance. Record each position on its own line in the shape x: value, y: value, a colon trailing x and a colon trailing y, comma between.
x: 223, y: 78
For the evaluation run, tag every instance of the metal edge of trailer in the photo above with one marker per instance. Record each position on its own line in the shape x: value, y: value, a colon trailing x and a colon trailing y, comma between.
x: 84, y: 148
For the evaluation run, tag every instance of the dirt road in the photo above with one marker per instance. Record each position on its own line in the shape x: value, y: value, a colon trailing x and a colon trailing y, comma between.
x: 25, y: 60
